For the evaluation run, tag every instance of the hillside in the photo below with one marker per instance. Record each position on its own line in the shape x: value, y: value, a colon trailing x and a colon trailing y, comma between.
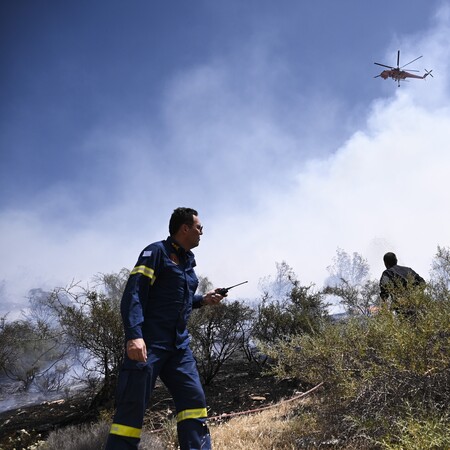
x: 235, y: 389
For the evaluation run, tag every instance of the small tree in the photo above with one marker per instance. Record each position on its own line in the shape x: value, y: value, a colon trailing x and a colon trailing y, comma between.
x: 29, y: 352
x: 217, y: 332
x: 293, y: 309
x: 92, y: 322
x: 349, y: 281
x: 6, y: 349
x: 286, y: 312
x: 217, y: 335
x: 439, y: 285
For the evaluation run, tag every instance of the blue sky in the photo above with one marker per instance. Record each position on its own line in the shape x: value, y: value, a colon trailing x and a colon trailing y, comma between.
x: 263, y: 115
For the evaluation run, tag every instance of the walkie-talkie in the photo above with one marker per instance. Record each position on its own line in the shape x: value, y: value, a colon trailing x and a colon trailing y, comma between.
x: 224, y: 291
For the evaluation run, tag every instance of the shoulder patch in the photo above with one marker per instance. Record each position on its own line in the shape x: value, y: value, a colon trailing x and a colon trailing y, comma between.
x: 174, y: 258
x: 147, y: 253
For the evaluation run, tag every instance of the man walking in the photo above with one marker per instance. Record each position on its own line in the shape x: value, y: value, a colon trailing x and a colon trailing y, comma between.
x: 155, y: 308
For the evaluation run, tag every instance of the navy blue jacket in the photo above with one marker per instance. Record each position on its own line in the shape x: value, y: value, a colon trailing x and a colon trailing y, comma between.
x: 159, y: 296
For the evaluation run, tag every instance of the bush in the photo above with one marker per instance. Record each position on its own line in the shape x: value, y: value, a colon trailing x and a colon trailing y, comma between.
x: 91, y: 322
x: 91, y: 437
x: 378, y: 370
x: 290, y: 310
x: 217, y: 333
x: 349, y: 282
x: 29, y: 352
x: 420, y: 430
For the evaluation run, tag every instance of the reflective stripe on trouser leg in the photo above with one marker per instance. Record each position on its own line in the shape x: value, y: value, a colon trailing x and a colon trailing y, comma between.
x: 122, y: 437
x: 192, y: 430
x: 193, y: 434
x: 124, y: 430
x: 199, y: 413
x: 135, y: 384
x: 180, y: 375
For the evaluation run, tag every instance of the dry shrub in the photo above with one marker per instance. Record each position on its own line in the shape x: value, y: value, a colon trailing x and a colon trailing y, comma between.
x: 91, y: 437
x: 168, y: 434
x: 277, y: 428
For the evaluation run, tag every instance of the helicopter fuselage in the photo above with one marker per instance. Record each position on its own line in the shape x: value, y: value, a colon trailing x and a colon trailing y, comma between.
x: 398, y: 75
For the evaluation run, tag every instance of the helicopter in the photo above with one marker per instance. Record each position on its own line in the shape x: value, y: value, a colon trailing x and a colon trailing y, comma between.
x: 397, y: 74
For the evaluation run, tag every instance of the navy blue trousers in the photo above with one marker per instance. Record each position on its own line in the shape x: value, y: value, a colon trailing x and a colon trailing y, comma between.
x: 178, y: 371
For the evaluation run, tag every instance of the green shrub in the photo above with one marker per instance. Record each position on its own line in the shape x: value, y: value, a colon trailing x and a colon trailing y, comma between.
x: 420, y: 430
x: 378, y: 370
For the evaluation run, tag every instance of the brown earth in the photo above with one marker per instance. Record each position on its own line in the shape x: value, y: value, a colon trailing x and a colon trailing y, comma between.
x: 236, y: 388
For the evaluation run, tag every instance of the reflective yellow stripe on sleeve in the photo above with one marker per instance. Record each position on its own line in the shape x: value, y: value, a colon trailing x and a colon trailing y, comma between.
x: 199, y: 413
x: 124, y: 430
x: 146, y: 271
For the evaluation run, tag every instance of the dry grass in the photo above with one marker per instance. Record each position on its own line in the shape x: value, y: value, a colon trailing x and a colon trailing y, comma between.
x: 277, y: 428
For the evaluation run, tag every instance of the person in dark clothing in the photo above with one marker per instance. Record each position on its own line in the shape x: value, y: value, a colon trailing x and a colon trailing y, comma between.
x: 156, y: 305
x: 395, y: 282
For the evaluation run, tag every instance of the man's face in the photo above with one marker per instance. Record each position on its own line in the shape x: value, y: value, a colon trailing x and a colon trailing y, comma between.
x: 194, y: 232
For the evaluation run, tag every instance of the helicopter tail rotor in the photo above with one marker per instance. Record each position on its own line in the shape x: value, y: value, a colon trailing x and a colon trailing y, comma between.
x: 428, y: 72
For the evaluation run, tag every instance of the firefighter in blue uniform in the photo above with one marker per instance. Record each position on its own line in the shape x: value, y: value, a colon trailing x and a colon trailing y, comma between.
x: 155, y: 308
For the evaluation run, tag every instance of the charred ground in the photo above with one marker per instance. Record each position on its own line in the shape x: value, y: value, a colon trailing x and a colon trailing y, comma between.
x: 236, y: 388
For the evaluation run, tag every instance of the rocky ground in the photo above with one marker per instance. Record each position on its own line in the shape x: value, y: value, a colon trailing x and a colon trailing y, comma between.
x: 236, y: 388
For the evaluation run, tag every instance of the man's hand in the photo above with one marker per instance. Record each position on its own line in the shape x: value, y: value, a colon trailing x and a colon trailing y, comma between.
x: 212, y: 298
x: 137, y: 350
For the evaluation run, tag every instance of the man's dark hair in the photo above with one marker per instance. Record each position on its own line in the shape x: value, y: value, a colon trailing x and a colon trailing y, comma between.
x: 181, y: 216
x: 390, y: 260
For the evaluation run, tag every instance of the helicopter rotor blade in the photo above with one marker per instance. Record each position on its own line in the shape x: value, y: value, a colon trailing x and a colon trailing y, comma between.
x: 384, y: 65
x: 398, y: 58
x: 411, y: 61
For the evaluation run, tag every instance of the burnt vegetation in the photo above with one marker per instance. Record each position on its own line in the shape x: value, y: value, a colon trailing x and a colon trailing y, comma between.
x: 386, y: 377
